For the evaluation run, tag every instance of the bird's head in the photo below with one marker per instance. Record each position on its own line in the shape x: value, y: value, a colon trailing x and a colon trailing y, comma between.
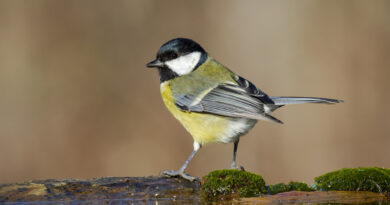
x: 178, y: 57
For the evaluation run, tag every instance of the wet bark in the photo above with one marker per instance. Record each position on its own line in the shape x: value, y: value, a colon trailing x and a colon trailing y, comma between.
x: 155, y: 189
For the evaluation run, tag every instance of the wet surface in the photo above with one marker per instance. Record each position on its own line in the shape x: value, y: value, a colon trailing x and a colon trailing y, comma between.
x: 321, y: 197
x: 155, y: 190
x: 108, y: 190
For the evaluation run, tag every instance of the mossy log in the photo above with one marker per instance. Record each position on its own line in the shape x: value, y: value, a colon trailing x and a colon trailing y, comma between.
x: 155, y: 189
x: 220, y: 185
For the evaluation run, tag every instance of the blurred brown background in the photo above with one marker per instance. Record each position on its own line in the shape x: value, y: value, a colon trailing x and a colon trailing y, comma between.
x: 77, y: 101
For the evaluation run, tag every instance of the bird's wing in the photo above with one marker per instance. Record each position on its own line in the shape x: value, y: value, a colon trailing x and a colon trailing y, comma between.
x: 230, y: 100
x: 252, y: 90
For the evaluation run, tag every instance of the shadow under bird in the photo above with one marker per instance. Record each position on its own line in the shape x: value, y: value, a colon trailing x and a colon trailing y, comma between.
x: 214, y: 104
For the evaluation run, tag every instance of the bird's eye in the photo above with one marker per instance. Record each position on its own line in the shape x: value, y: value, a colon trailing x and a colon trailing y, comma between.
x: 173, y: 55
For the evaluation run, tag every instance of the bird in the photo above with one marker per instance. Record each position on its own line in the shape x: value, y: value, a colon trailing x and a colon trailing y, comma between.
x: 214, y: 104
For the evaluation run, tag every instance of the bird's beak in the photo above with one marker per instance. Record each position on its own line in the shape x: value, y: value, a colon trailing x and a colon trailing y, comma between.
x: 155, y: 64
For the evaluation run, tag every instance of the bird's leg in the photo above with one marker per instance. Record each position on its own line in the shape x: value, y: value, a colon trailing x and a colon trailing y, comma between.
x: 234, y: 165
x: 180, y: 172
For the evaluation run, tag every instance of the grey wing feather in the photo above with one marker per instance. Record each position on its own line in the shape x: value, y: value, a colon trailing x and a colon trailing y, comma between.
x: 227, y: 100
x: 251, y: 89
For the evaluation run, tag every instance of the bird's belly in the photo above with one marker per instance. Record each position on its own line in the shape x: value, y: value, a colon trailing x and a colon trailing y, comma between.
x: 207, y: 128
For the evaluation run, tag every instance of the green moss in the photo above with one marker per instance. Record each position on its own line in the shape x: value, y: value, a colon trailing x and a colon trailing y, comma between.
x: 228, y: 183
x: 292, y: 186
x: 357, y: 179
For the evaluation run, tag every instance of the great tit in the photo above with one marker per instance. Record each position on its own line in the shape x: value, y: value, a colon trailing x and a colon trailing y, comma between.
x: 213, y: 104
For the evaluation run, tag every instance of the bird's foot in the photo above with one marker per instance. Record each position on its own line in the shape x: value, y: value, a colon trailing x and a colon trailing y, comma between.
x: 171, y: 173
x: 235, y: 166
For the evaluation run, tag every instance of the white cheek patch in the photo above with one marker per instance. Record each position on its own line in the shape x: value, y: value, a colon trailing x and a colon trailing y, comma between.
x: 184, y: 64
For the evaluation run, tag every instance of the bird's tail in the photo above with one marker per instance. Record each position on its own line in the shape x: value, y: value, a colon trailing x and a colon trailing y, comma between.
x: 300, y: 100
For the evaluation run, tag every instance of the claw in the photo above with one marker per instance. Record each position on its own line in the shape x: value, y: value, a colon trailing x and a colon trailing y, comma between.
x: 234, y: 166
x: 172, y: 173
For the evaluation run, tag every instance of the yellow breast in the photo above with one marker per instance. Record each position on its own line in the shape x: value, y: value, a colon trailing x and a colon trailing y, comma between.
x: 204, y: 128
